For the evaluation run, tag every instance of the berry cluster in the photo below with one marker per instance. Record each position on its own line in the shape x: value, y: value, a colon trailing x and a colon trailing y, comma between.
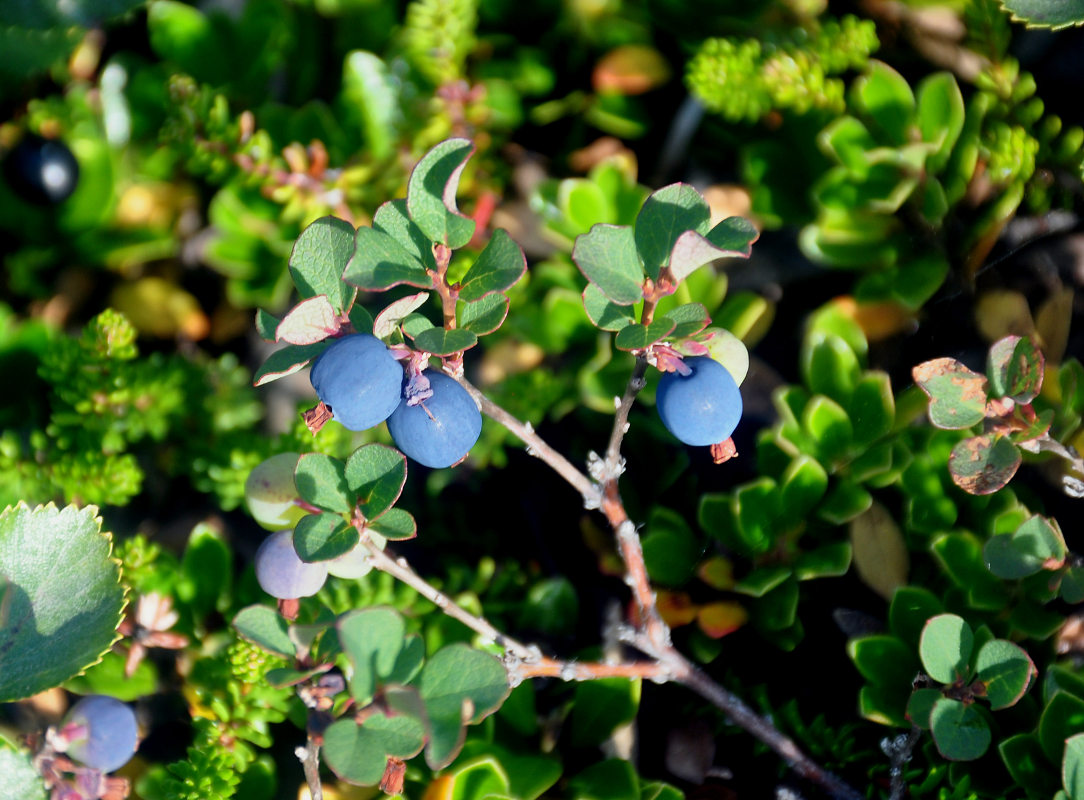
x: 361, y: 384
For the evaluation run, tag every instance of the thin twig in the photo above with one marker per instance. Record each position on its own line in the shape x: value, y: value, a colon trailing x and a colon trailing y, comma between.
x: 309, y: 755
x: 536, y: 446
x: 621, y: 417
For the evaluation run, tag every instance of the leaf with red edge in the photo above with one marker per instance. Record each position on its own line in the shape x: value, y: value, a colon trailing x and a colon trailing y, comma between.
x: 431, y: 193
x: 308, y: 322
x: 1006, y: 671
x: 389, y: 320
x: 287, y: 361
x: 637, y: 337
x: 957, y: 395
x: 1015, y: 368
x: 266, y: 325
x: 983, y: 464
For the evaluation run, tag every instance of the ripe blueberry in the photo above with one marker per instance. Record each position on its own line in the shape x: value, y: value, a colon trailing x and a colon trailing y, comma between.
x: 43, y: 171
x: 281, y: 572
x: 358, y: 380
x: 700, y: 408
x: 105, y: 732
x: 440, y: 430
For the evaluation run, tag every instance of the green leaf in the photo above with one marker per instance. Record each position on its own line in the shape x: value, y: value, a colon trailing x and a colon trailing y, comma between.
x: 1006, y: 670
x: 880, y: 552
x: 415, y: 323
x: 444, y: 341
x: 688, y: 319
x: 848, y: 140
x: 959, y: 731
x: 266, y: 628
x: 483, y: 316
x: 372, y: 639
x: 845, y: 501
x: 1072, y: 585
x: 920, y: 706
x: 309, y: 322
x: 392, y: 218
x: 1015, y: 369
x: 431, y: 193
x: 801, y: 487
x: 734, y: 236
x: 387, y: 322
x: 1037, y: 544
x: 206, y: 571
x: 830, y: 428
x: 409, y: 663
x: 266, y: 325
x: 940, y: 115
x: 498, y: 267
x: 671, y: 550
x: 107, y: 677
x: 380, y: 262
x: 667, y: 214
x: 829, y: 365
x: 459, y: 686
x: 359, y: 753
x: 1072, y: 768
x: 599, y: 707
x: 883, y: 660
x: 984, y: 464
x: 376, y: 474
x: 551, y: 608
x: 607, y: 257
x: 287, y: 361
x: 755, y: 508
x: 602, y: 312
x: 957, y: 395
x: 21, y: 780
x: 372, y: 100
x: 60, y: 596
x: 1062, y: 718
x: 885, y: 96
x: 960, y: 554
x: 945, y: 648
x: 886, y: 705
x: 827, y: 561
x: 761, y: 581
x: 187, y: 36
x: 321, y: 481
x: 614, y: 779
x: 911, y: 606
x: 318, y: 259
x: 1023, y: 757
x: 1046, y: 14
x: 394, y: 524
x: 482, y: 777
x: 322, y: 537
x: 872, y: 407
x: 637, y: 337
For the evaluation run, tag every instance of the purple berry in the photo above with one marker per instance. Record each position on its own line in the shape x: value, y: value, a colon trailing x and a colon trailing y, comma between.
x: 440, y: 430
x: 281, y: 573
x: 105, y: 732
x: 358, y: 380
x: 700, y: 408
x: 43, y: 171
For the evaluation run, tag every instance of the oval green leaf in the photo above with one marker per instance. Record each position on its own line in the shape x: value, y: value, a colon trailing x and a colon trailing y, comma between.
x: 959, y: 731
x: 322, y: 537
x: 379, y: 262
x: 667, y: 214
x: 395, y: 525
x: 945, y: 647
x: 957, y: 395
x: 266, y: 628
x: 318, y: 259
x: 498, y: 267
x: 1006, y: 670
x: 375, y: 474
x: 637, y: 337
x: 445, y: 341
x: 483, y: 316
x: 321, y: 481
x: 984, y: 464
x: 1015, y: 369
x: 607, y: 257
x: 431, y: 193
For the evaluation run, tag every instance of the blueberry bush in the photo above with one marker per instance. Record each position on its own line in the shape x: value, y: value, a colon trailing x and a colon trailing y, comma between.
x: 694, y: 402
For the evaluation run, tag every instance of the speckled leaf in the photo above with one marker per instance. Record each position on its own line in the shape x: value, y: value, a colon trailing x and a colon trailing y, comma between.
x: 322, y: 537
x: 310, y: 321
x: 957, y: 395
x: 498, y: 267
x: 395, y: 524
x: 380, y: 262
x: 959, y: 731
x: 389, y: 320
x: 371, y: 638
x: 607, y: 257
x: 607, y: 315
x: 1046, y: 14
x: 266, y: 628
x: 459, y: 686
x: 483, y: 316
x: 945, y: 647
x: 1035, y: 545
x: 444, y: 342
x: 637, y: 337
x: 290, y: 359
x: 983, y: 464
x: 1015, y: 368
x: 376, y: 474
x: 431, y: 193
x: 1006, y: 670
x: 21, y: 780
x: 688, y: 319
x: 320, y: 480
x: 318, y: 259
x: 60, y: 596
x: 666, y: 215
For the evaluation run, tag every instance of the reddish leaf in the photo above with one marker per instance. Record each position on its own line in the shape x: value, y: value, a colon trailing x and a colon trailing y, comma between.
x: 957, y: 395
x: 983, y: 464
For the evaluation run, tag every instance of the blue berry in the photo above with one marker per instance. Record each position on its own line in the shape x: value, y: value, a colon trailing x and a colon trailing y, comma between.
x: 358, y: 380
x: 43, y: 171
x: 110, y: 734
x: 281, y: 572
x: 440, y: 430
x: 700, y: 408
